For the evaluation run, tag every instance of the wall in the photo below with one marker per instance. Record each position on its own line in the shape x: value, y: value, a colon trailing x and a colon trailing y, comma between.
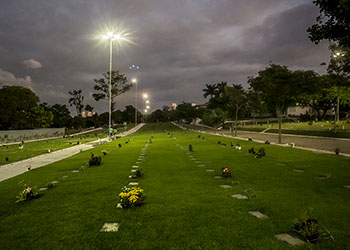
x: 7, y: 136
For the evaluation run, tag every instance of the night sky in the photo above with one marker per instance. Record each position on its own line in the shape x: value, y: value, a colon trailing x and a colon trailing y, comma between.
x: 52, y: 46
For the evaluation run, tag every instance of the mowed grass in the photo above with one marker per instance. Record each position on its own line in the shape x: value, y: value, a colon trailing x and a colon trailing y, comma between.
x: 31, y: 149
x: 185, y: 208
x: 322, y: 128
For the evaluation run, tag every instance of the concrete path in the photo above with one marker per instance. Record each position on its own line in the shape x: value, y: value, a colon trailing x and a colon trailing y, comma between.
x: 314, y: 143
x: 20, y: 167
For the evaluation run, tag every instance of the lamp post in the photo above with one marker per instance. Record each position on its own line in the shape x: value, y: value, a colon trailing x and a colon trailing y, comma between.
x: 110, y: 36
x: 135, y: 81
x: 337, y: 57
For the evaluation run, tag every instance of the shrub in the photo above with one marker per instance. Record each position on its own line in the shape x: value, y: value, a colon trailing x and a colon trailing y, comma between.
x: 337, y: 151
x: 267, y: 142
x: 251, y: 151
x: 29, y: 192
x: 261, y: 153
x: 131, y: 197
x: 307, y: 227
x: 138, y: 172
x: 94, y: 160
x: 226, y: 172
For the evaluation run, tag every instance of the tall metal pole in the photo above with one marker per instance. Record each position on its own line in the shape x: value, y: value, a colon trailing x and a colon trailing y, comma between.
x: 136, y: 107
x: 110, y: 87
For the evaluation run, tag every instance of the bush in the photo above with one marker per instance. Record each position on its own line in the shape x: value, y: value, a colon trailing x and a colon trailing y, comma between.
x: 337, y: 151
x: 94, y: 160
x: 307, y: 227
x: 29, y: 192
x: 138, y: 172
x: 261, y: 153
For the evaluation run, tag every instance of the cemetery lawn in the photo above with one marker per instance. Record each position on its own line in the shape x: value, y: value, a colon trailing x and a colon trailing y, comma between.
x: 185, y: 207
x: 31, y: 149
x: 324, y: 129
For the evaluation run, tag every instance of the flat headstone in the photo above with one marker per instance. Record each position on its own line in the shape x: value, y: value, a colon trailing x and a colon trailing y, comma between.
x: 133, y: 170
x: 347, y: 186
x: 135, y: 166
x: 198, y: 162
x: 322, y: 177
x: 54, y: 182
x: 218, y: 177
x: 132, y: 176
x: 138, y: 162
x: 210, y: 170
x: 133, y: 183
x: 239, y: 197
x: 298, y: 170
x: 110, y: 227
x: 281, y: 164
x: 258, y: 214
x: 226, y: 186
x: 289, y: 239
x: 75, y: 171
x: 119, y: 205
x: 42, y: 189
x: 202, y: 165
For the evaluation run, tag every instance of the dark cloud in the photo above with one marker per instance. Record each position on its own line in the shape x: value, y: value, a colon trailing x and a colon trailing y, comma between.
x: 180, y: 45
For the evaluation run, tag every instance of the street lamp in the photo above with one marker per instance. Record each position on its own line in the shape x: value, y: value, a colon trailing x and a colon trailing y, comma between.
x: 110, y: 36
x: 337, y: 55
x: 135, y: 81
x: 145, y: 96
x: 147, y: 102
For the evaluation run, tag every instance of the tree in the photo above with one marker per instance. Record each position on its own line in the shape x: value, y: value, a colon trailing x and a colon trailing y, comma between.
x: 255, y: 104
x: 210, y: 90
x: 218, y: 100
x: 214, y: 117
x: 16, y: 104
x: 278, y: 87
x: 129, y: 114
x: 237, y: 97
x: 40, y: 117
x: 158, y: 116
x: 333, y: 23
x: 76, y: 100
x: 186, y: 111
x: 89, y: 108
x: 119, y: 86
x: 339, y: 69
x: 61, y: 116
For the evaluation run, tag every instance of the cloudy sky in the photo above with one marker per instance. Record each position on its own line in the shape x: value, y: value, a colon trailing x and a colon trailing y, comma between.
x: 52, y: 46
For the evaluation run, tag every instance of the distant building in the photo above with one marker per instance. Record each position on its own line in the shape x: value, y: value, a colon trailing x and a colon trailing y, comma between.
x: 85, y: 114
x: 194, y: 105
x: 300, y: 110
x: 173, y: 106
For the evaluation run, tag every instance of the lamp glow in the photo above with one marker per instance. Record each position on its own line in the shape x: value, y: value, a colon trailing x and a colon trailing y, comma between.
x: 145, y: 96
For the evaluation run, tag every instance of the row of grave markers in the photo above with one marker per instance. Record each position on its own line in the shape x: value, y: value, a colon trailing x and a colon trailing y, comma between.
x: 114, y: 226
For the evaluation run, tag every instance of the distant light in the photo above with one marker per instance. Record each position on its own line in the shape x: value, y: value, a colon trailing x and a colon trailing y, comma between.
x: 145, y: 96
x: 147, y: 101
x: 134, y: 80
x: 147, y: 107
x: 146, y: 110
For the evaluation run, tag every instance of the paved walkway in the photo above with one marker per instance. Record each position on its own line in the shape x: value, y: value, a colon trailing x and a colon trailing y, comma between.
x: 315, y: 143
x: 20, y: 167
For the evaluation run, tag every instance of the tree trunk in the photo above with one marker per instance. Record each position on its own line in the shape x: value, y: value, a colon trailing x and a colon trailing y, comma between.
x: 236, y: 122
x: 279, y: 126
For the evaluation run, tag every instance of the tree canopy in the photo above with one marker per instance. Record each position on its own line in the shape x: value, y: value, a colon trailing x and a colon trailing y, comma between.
x: 119, y: 86
x: 333, y: 23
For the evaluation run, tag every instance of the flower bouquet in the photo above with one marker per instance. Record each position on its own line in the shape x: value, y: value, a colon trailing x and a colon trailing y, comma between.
x: 29, y: 192
x: 226, y: 172
x: 104, y: 152
x: 131, y: 197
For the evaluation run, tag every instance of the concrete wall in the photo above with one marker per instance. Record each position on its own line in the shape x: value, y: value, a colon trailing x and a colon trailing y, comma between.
x: 30, y: 134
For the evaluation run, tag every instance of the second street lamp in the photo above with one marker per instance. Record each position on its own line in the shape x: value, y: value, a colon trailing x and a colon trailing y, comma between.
x: 134, y: 81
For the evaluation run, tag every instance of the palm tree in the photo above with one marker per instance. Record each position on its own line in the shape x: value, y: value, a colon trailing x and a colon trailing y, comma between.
x: 210, y: 90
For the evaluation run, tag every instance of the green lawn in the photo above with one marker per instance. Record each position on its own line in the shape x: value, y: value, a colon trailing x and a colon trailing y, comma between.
x: 303, y: 128
x: 31, y: 149
x: 185, y: 208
